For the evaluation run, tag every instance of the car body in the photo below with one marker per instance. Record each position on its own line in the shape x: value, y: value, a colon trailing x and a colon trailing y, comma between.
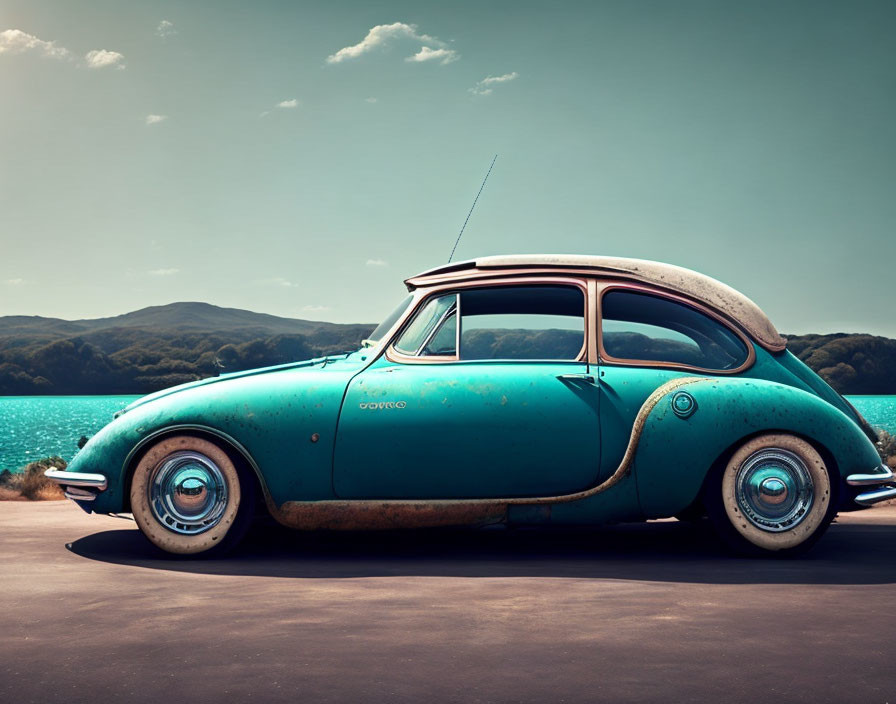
x: 528, y: 389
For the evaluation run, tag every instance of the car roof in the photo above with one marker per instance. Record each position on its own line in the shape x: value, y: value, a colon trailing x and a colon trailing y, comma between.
x: 704, y: 289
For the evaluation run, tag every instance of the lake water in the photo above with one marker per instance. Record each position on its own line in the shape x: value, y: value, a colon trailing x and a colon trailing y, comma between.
x: 32, y: 427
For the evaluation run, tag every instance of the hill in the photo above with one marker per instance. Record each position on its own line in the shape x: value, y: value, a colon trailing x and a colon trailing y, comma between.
x: 159, y: 346
x: 155, y: 347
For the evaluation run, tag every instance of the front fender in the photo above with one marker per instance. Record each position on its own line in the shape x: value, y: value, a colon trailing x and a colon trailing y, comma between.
x: 675, y: 454
x: 284, y: 422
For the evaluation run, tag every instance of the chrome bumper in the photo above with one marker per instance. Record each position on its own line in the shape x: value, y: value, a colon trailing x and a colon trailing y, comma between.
x: 79, y: 486
x: 879, y: 493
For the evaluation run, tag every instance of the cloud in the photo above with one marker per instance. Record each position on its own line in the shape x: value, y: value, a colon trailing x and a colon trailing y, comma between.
x: 484, y: 87
x: 291, y: 103
x: 314, y: 309
x: 443, y: 56
x: 15, y: 41
x: 15, y: 282
x: 376, y: 262
x: 155, y: 119
x: 163, y: 272
x: 165, y: 29
x: 278, y: 281
x: 382, y: 34
x: 101, y: 58
x: 370, y: 100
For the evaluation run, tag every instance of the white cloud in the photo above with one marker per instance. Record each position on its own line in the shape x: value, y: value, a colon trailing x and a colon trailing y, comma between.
x: 163, y: 272
x: 376, y: 262
x: 154, y: 119
x: 101, y: 58
x: 15, y: 282
x: 443, y: 56
x: 278, y: 281
x: 165, y: 29
x: 291, y: 103
x: 15, y: 41
x: 484, y: 87
x: 382, y: 34
x: 370, y: 100
x: 314, y: 309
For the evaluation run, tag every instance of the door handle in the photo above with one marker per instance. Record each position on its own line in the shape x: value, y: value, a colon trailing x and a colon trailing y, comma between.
x: 587, y: 378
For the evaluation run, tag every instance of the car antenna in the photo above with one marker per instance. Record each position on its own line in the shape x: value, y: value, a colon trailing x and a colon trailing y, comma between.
x: 457, y: 241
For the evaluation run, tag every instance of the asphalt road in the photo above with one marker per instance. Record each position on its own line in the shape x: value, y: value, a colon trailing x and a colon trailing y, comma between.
x: 654, y: 612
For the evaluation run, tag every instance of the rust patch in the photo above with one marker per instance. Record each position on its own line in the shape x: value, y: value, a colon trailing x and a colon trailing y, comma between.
x: 385, y: 515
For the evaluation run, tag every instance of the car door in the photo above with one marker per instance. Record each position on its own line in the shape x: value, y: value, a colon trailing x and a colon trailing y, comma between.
x: 484, y: 393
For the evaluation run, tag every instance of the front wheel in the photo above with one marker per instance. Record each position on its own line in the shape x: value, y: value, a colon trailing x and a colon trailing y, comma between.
x: 188, y: 498
x: 772, y: 497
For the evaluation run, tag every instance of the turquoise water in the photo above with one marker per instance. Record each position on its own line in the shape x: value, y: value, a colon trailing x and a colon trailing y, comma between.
x: 32, y: 427
x: 879, y: 411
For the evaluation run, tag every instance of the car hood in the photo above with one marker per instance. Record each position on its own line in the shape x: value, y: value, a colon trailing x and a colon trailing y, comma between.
x: 343, y: 361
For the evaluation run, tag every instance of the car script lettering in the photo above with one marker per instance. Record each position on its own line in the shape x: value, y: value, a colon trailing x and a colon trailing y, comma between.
x: 380, y: 405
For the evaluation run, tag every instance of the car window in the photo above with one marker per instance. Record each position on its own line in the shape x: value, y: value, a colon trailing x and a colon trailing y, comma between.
x: 424, y: 332
x: 643, y: 327
x: 522, y: 322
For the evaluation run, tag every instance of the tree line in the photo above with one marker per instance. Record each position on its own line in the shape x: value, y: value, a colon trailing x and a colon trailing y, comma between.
x: 138, y: 361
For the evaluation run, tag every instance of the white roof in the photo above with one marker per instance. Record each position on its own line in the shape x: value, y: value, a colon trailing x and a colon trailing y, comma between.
x: 700, y: 287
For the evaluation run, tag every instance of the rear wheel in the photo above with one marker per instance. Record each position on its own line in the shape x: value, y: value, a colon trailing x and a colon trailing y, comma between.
x: 772, y: 497
x: 188, y: 497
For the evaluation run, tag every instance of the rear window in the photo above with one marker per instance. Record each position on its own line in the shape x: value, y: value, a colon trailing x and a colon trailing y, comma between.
x: 639, y: 327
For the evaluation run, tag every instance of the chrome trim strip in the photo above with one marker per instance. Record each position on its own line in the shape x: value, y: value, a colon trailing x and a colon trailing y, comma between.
x: 442, y: 318
x: 63, y: 478
x: 871, y: 479
x: 76, y: 494
x: 869, y: 498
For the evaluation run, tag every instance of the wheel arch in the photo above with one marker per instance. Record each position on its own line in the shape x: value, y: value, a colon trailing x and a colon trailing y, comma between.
x: 242, y: 457
x: 676, y: 454
x: 721, y: 461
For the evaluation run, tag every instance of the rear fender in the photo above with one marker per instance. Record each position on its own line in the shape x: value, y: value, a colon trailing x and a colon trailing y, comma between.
x: 676, y: 453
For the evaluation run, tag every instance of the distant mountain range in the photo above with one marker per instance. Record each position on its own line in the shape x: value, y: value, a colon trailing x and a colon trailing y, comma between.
x: 159, y: 346
x: 156, y: 347
x: 179, y: 317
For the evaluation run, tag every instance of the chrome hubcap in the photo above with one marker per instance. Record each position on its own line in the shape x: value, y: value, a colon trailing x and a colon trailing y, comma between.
x: 774, y: 490
x: 188, y: 493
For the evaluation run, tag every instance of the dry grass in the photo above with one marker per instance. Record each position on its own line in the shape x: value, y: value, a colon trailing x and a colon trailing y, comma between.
x: 31, y: 484
x: 887, y: 446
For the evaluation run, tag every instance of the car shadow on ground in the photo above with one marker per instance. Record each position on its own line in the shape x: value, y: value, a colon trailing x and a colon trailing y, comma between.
x: 667, y: 551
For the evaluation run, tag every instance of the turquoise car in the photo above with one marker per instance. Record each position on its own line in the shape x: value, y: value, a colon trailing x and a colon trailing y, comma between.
x: 516, y: 389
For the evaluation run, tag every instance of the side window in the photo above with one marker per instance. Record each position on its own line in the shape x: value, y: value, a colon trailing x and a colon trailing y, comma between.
x: 432, y: 330
x: 642, y: 327
x: 522, y: 322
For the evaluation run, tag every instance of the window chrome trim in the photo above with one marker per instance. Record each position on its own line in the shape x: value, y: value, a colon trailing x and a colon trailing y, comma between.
x: 608, y: 359
x: 581, y: 283
x: 432, y: 333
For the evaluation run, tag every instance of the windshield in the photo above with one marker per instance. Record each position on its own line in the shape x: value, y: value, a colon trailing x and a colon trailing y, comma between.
x: 387, y: 324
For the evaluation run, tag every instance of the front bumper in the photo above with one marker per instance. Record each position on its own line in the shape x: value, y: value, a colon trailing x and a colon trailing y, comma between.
x: 881, y: 483
x: 78, y: 486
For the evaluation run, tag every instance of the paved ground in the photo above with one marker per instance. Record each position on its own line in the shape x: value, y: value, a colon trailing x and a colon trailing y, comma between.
x: 633, y: 613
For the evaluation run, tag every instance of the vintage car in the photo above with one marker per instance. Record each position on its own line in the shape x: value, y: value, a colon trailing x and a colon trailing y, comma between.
x: 530, y: 389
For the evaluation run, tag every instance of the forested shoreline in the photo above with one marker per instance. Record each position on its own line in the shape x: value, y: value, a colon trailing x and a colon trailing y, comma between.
x: 162, y: 346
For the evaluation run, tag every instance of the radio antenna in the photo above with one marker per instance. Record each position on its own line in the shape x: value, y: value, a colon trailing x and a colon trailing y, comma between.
x: 457, y: 241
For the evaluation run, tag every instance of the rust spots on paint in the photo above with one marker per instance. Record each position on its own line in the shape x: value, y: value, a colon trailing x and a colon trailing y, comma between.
x: 385, y: 515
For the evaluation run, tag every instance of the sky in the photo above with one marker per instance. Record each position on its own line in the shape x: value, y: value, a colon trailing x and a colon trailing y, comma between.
x: 303, y: 158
